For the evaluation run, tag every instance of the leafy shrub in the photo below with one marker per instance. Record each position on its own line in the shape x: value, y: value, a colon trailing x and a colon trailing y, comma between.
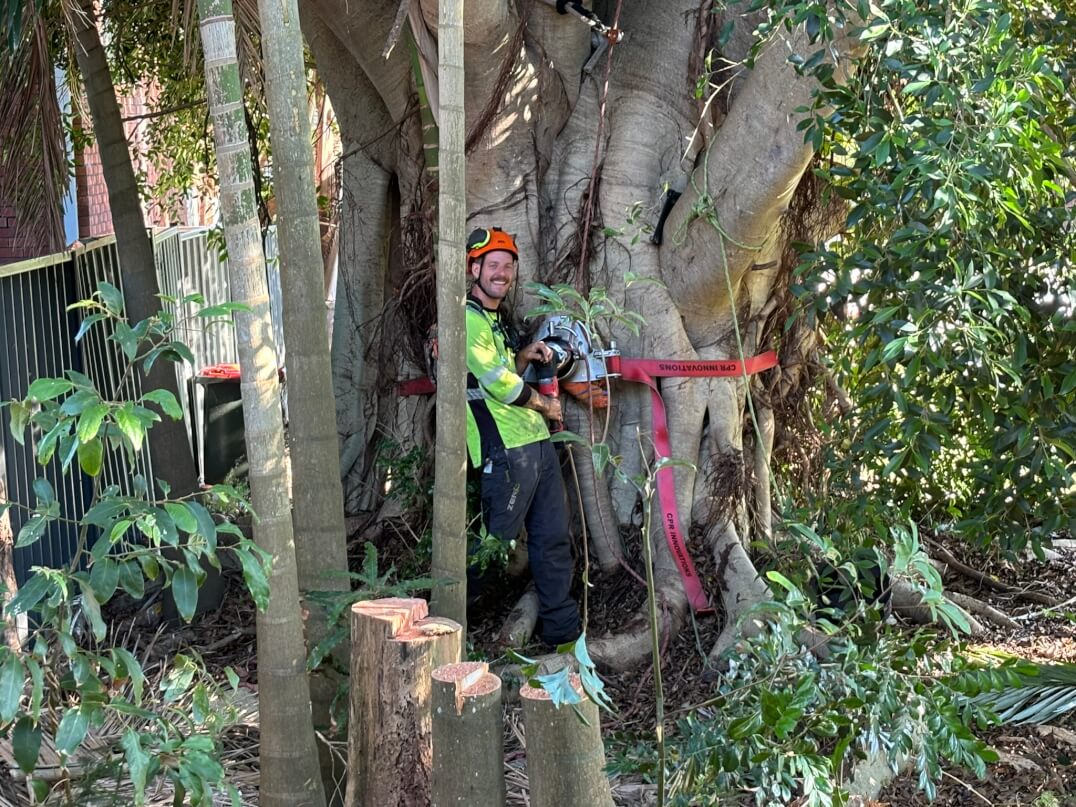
x: 64, y: 683
x: 784, y: 724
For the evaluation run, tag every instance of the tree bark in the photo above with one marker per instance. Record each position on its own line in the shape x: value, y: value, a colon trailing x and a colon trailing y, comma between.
x: 449, y: 565
x: 565, y: 755
x: 365, y: 225
x: 7, y: 570
x: 468, y: 737
x: 171, y: 450
x: 288, y: 754
x: 317, y: 495
x: 394, y: 648
x: 574, y: 147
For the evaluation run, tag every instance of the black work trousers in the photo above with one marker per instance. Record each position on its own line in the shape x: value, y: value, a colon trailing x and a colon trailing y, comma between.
x: 523, y: 487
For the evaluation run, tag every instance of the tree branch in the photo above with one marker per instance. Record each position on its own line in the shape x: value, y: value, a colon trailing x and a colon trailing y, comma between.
x: 746, y: 179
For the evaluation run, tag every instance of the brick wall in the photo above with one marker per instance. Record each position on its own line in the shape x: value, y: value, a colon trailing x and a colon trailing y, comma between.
x: 14, y: 245
x: 94, y: 214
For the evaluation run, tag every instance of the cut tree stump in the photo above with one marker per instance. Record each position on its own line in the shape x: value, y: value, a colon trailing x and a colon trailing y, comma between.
x: 565, y: 756
x: 468, y: 737
x: 395, y: 645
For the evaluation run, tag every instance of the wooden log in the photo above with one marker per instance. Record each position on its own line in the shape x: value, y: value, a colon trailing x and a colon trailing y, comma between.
x: 468, y: 737
x: 565, y: 756
x: 395, y: 645
x: 519, y: 627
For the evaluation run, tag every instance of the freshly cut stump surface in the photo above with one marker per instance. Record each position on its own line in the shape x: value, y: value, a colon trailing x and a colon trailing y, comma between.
x: 565, y: 755
x: 394, y: 647
x: 468, y: 737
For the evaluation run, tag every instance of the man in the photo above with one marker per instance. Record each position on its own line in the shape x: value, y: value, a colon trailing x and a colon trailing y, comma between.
x: 507, y: 437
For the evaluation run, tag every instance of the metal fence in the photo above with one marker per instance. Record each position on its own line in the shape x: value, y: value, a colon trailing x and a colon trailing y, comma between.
x: 38, y: 333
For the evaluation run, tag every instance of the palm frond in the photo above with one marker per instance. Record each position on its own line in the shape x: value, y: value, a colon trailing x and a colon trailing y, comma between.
x: 33, y: 154
x: 1040, y: 695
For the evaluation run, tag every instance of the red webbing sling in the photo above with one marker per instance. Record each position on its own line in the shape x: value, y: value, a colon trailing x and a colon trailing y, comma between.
x: 644, y: 371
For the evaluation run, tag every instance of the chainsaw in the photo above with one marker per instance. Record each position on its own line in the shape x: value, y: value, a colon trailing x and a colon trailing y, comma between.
x: 577, y: 366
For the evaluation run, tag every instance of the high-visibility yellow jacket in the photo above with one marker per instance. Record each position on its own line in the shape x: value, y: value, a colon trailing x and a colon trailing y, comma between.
x: 496, y: 394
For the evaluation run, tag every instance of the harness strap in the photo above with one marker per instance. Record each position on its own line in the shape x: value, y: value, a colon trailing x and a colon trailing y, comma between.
x: 643, y: 371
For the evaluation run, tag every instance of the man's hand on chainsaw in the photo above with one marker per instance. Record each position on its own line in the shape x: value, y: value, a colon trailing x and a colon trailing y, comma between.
x: 535, y: 351
x: 547, y: 405
x: 552, y: 408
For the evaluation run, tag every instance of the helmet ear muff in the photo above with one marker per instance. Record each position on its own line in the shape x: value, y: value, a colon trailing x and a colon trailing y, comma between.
x: 478, y: 238
x: 481, y: 241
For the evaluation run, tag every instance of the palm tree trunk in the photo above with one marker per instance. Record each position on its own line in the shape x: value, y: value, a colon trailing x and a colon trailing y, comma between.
x: 450, y: 456
x: 318, y: 497
x: 168, y: 440
x: 288, y: 754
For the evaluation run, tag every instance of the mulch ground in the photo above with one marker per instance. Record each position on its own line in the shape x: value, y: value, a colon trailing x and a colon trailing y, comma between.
x: 1037, y: 767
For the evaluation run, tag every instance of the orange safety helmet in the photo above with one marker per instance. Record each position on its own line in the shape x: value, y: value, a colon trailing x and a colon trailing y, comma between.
x: 481, y: 241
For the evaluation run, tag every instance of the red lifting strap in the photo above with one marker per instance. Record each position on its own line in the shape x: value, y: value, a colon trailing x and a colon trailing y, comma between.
x: 643, y: 371
x: 423, y: 385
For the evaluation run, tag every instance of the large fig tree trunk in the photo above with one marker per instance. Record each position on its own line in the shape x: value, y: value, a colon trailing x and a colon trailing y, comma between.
x: 570, y: 144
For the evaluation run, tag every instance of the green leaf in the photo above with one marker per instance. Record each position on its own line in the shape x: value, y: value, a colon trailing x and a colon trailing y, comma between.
x: 130, y: 425
x: 72, y: 731
x: 1069, y: 384
x: 30, y: 594
x: 93, y: 611
x: 255, y: 577
x: 41, y: 789
x: 182, y: 351
x: 185, y: 592
x: 44, y: 492
x: 131, y: 579
x: 166, y: 400
x: 89, y: 423
x: 20, y: 417
x: 32, y: 531
x: 126, y: 339
x: 103, y: 513
x: 565, y: 436
x: 183, y: 517
x: 131, y: 669
x: 76, y: 402
x: 104, y: 578
x: 138, y: 762
x: 12, y: 683
x: 207, y: 527
x: 111, y: 297
x: 223, y: 310
x: 26, y: 744
x: 88, y: 323
x: 91, y: 457
x: 47, y: 389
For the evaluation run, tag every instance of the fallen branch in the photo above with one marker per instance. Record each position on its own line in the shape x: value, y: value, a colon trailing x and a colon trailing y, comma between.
x: 519, y: 627
x: 980, y: 608
x: 981, y: 577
